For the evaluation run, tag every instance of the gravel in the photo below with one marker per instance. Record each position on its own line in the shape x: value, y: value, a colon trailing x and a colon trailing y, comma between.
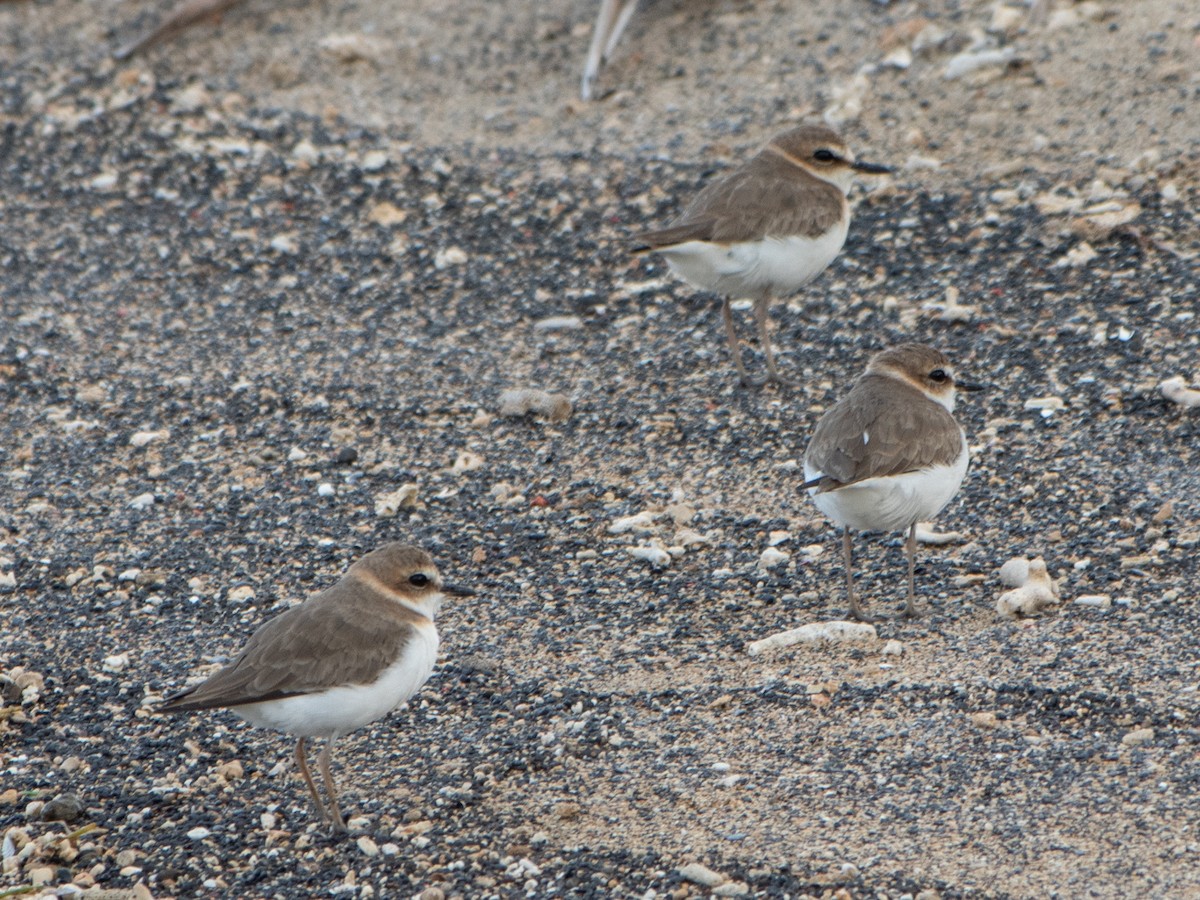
x: 231, y: 363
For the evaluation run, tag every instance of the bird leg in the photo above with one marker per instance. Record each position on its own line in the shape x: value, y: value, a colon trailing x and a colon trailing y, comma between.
x: 339, y: 824
x: 855, y: 610
x: 610, y: 24
x: 910, y: 605
x: 302, y: 765
x: 731, y: 336
x: 764, y: 336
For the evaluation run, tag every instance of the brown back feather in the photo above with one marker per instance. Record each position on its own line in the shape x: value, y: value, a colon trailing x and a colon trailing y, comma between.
x: 344, y: 635
x: 909, y: 432
x: 767, y: 197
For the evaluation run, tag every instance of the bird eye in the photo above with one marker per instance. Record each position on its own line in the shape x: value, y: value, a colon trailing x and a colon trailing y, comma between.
x: 938, y: 375
x: 418, y: 580
x: 824, y: 155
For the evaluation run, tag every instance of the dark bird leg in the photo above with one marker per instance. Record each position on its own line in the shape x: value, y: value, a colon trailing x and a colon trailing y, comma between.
x: 302, y: 765
x: 731, y: 336
x: 339, y: 824
x: 855, y: 610
x: 910, y: 605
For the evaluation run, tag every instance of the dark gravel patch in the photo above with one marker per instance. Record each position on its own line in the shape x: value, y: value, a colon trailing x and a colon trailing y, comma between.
x: 233, y: 294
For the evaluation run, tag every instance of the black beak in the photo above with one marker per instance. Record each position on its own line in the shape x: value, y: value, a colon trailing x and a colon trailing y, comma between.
x: 456, y: 590
x: 969, y: 387
x: 870, y: 168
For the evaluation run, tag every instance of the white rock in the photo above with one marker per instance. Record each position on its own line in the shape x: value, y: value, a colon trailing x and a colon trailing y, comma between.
x: 1099, y: 601
x: 104, y: 181
x: 1138, y: 736
x: 521, y: 401
x: 893, y: 648
x: 1005, y: 19
x: 1033, y: 595
x: 642, y: 521
x: 558, y: 323
x: 375, y: 161
x: 349, y: 48
x: 449, y: 256
x: 926, y: 535
x: 732, y: 889
x: 1176, y: 390
x: 296, y: 455
x: 404, y: 497
x: 970, y: 60
x: 118, y: 662
x: 916, y: 162
x: 325, y: 489
x: 1077, y: 257
x: 306, y: 151
x: 285, y: 243
x: 1015, y: 572
x: 466, y: 461
x: 142, y: 438
x: 775, y: 538
x: 701, y: 875
x: 656, y: 556
x: 900, y: 58
x: 199, y: 834
x: 8, y: 581
x: 142, y: 501
x: 818, y: 634
x: 367, y: 847
x: 771, y: 557
x: 242, y: 593
x: 129, y: 575
x: 1053, y: 404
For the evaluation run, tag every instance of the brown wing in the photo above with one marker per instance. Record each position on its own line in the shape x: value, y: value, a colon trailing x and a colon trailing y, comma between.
x: 323, y: 642
x: 766, y: 198
x: 908, y: 432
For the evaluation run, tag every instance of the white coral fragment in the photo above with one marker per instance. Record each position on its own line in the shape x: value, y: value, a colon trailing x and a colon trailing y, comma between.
x: 522, y: 401
x: 817, y: 634
x: 1033, y: 593
x: 1176, y: 390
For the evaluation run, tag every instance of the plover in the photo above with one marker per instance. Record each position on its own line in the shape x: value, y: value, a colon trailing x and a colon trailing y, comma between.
x: 889, y: 454
x: 766, y: 229
x: 342, y: 658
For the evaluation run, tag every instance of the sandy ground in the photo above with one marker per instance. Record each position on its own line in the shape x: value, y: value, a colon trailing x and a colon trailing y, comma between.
x: 241, y: 267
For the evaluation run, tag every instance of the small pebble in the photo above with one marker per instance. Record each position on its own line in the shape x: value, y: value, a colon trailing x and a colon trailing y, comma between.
x: 1138, y: 736
x: 63, y: 808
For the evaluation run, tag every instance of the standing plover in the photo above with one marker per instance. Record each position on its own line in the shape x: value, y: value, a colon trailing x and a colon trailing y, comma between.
x: 889, y: 454
x: 342, y: 658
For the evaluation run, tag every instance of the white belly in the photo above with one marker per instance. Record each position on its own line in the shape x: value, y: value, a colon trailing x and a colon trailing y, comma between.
x: 893, y: 503
x: 341, y: 710
x: 773, y: 266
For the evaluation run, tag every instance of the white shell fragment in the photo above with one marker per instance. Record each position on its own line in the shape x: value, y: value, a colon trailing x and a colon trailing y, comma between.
x: 142, y: 501
x: 142, y: 438
x: 970, y: 60
x: 404, y: 497
x: 1176, y: 390
x: 701, y: 875
x: 642, y: 521
x: 656, y: 556
x: 521, y: 401
x: 466, y: 461
x: 771, y: 557
x: 817, y: 634
x: 1035, y: 593
x: 926, y: 535
x: 116, y: 663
